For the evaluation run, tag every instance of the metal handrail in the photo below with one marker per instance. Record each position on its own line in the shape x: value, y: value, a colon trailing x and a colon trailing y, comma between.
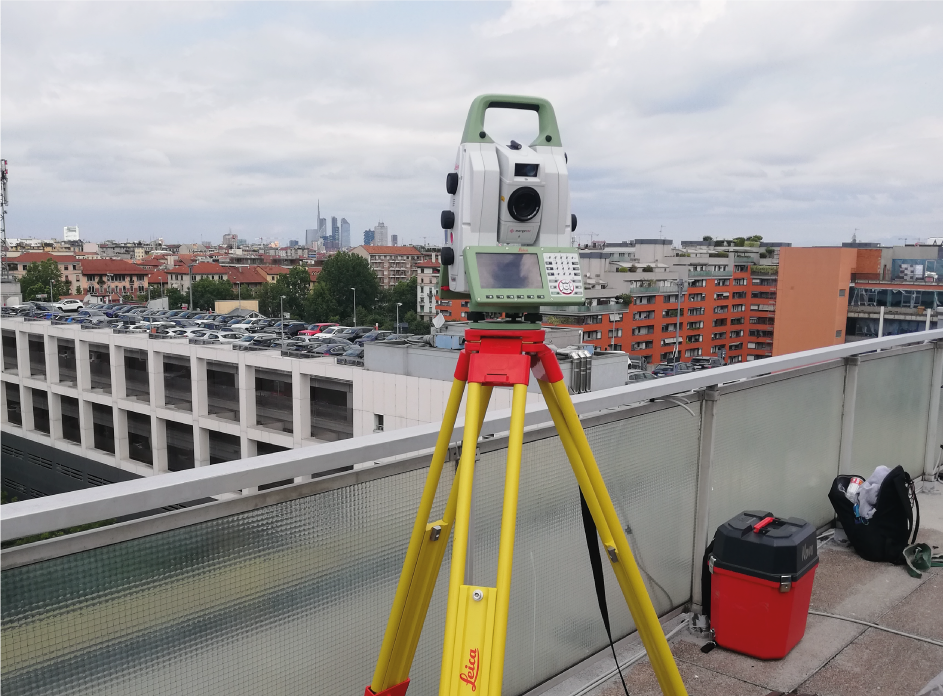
x: 49, y: 513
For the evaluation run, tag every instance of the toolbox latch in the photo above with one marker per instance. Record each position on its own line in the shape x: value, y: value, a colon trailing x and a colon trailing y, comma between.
x: 785, y: 583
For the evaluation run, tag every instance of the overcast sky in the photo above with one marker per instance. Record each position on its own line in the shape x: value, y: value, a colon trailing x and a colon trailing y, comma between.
x: 797, y: 121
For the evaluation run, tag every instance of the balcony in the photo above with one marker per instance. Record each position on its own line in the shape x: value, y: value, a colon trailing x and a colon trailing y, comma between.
x: 286, y: 591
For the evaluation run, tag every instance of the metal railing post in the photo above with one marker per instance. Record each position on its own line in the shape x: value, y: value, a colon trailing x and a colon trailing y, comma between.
x: 845, y: 448
x: 705, y: 455
x: 933, y: 417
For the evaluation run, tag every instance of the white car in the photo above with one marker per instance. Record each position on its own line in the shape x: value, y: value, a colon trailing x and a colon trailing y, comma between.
x: 331, y: 331
x: 247, y: 324
x: 68, y: 305
x: 222, y: 337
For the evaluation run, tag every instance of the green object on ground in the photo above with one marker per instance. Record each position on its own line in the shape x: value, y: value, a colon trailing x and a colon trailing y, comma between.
x: 920, y: 557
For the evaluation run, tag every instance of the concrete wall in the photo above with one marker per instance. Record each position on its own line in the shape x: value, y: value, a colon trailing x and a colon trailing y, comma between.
x: 812, y: 297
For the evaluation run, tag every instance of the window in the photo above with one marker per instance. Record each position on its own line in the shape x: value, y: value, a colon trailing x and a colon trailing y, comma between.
x: 736, y: 334
x: 695, y: 311
x: 841, y: 293
x: 9, y: 352
x: 378, y: 422
x: 697, y: 297
x: 734, y: 359
x: 721, y: 282
x: 642, y: 345
x: 742, y: 295
x: 720, y: 322
x: 734, y: 321
x: 615, y: 333
x: 738, y: 308
x: 103, y: 428
x: 332, y: 414
x: 135, y: 374
x: 692, y: 352
x: 670, y: 341
x: 179, y: 446
x: 139, y: 438
x: 99, y: 368
x: 40, y: 411
x: 666, y: 314
x: 695, y: 338
x: 642, y: 316
x: 37, y: 356
x: 838, y: 334
x: 644, y: 299
x: 721, y: 309
x: 14, y: 410
x: 178, y: 387
x: 716, y: 349
x: 734, y: 347
x: 720, y: 335
x: 669, y: 327
x: 71, y: 426
x: 692, y: 325
x: 665, y: 357
x: 698, y: 283
x: 671, y: 299
x: 221, y: 391
x: 721, y: 295
x: 592, y: 335
x: 223, y: 447
x: 643, y: 330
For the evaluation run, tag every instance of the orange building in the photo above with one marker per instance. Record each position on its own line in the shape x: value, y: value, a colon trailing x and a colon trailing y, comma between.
x: 812, y: 307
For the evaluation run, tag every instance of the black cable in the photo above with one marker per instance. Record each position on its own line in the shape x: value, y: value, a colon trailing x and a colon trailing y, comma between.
x: 595, y: 561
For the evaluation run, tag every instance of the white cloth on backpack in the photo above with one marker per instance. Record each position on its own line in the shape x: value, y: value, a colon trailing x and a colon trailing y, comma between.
x: 868, y: 493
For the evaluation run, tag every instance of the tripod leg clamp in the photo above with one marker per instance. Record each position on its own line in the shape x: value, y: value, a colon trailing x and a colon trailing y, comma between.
x: 396, y: 690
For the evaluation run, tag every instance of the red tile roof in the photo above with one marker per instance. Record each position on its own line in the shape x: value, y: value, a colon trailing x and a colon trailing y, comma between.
x: 273, y: 270
x: 244, y: 274
x: 113, y: 266
x: 31, y: 256
x: 206, y: 268
x: 429, y: 264
x: 157, y: 277
x: 401, y: 250
x: 313, y: 273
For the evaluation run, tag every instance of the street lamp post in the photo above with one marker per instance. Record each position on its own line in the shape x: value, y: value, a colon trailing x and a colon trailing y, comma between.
x: 678, y: 319
x: 281, y: 307
x: 355, y: 305
x: 398, y: 305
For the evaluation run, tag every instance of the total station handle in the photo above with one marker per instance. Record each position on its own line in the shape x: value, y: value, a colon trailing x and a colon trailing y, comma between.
x: 474, y: 132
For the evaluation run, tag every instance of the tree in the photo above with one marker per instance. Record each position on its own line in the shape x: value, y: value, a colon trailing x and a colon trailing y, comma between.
x: 38, y: 276
x: 707, y: 238
x: 648, y: 269
x: 770, y: 251
x: 207, y: 291
x: 176, y: 299
x: 739, y: 241
x: 625, y: 299
x: 755, y: 238
x: 332, y: 298
x: 295, y: 286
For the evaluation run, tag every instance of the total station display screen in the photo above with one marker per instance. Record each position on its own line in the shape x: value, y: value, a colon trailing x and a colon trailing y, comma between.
x: 523, y: 169
x: 509, y: 271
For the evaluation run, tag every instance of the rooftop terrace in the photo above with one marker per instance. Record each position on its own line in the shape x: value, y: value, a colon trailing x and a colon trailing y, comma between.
x: 286, y: 591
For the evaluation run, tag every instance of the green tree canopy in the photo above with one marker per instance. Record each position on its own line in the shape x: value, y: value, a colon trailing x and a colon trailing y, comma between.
x: 332, y: 298
x: 207, y: 291
x: 707, y: 238
x: 37, y: 278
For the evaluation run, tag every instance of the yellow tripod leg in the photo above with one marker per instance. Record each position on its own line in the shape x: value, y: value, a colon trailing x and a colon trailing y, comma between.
x: 466, y: 474
x: 409, y: 612
x: 383, y: 676
x: 512, y: 481
x: 643, y: 613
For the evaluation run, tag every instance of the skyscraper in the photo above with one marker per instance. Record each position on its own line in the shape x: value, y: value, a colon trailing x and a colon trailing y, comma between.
x: 368, y: 237
x: 345, y: 234
x: 394, y: 240
x: 311, y: 238
x: 335, y: 232
x: 381, y: 235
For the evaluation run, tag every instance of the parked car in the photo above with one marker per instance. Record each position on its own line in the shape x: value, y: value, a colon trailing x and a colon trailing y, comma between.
x: 247, y: 324
x: 328, y: 350
x: 246, y: 340
x: 354, y: 333
x: 354, y: 356
x: 705, y: 363
x: 290, y: 328
x: 314, y: 329
x: 672, y: 369
x: 638, y: 376
x: 372, y: 337
x: 68, y: 305
x: 332, y: 331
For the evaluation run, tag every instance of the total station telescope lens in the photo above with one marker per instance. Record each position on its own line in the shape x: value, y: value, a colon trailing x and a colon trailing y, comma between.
x: 524, y: 204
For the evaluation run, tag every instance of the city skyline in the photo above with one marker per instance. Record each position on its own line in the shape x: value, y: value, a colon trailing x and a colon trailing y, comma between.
x: 685, y: 119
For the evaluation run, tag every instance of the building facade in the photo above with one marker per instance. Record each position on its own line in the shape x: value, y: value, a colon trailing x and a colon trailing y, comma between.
x: 427, y: 289
x: 381, y: 235
x: 345, y: 234
x: 391, y: 264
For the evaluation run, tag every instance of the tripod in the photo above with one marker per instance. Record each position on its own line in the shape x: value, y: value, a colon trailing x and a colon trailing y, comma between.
x: 476, y: 617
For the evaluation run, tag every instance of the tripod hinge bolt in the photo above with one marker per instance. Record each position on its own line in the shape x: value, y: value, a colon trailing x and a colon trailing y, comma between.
x: 434, y: 533
x: 613, y: 556
x: 477, y: 595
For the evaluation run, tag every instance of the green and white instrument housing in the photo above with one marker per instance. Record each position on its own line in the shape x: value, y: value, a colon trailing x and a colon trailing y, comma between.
x: 522, y: 279
x: 509, y: 201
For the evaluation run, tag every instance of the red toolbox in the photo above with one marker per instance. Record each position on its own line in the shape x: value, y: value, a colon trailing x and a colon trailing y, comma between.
x: 762, y: 569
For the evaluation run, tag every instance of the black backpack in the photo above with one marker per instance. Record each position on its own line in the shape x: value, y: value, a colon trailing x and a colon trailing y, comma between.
x: 894, y: 524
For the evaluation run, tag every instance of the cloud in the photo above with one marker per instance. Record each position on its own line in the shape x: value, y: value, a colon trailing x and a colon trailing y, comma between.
x: 797, y: 121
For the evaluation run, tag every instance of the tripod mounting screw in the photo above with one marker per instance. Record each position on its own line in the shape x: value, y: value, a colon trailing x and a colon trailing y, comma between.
x: 477, y: 595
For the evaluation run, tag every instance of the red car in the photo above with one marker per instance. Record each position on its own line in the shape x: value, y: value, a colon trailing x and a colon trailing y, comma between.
x: 316, y: 329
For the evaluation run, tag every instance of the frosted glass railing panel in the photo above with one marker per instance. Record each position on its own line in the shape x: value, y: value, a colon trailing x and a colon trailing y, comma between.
x: 891, y: 412
x: 776, y: 448
x: 649, y: 463
x: 289, y: 599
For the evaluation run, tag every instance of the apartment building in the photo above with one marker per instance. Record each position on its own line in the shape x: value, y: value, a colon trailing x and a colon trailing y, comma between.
x: 70, y: 266
x: 107, y: 280
x: 427, y: 288
x: 180, y: 275
x: 392, y: 264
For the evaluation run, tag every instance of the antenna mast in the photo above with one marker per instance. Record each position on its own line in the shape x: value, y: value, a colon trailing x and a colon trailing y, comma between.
x: 4, y: 201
